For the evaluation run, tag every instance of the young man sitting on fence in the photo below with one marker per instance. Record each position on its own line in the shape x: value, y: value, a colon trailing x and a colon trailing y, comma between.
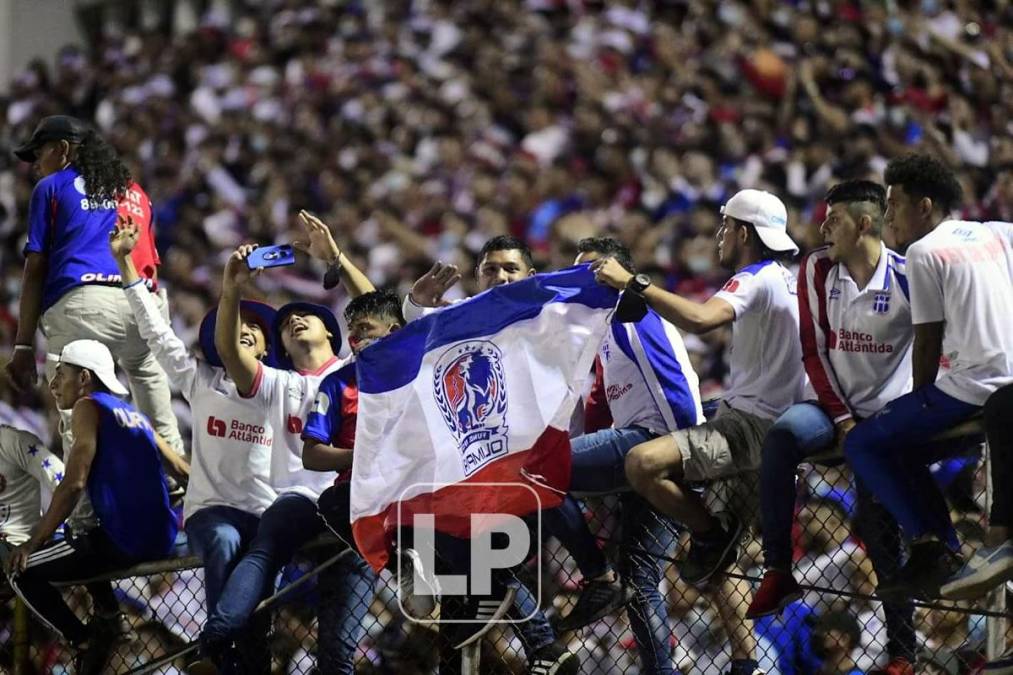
x: 961, y: 303
x: 855, y: 323
x: 113, y: 498
x: 766, y: 379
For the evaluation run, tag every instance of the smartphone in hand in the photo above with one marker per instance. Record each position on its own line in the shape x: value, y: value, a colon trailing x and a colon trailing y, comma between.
x: 271, y: 256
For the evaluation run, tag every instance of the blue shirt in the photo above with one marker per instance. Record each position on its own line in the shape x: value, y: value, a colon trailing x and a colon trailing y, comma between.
x: 333, y: 416
x: 72, y: 231
x: 126, y: 484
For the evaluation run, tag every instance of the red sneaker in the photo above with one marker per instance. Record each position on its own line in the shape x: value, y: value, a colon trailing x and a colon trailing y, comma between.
x: 777, y: 590
x: 897, y: 666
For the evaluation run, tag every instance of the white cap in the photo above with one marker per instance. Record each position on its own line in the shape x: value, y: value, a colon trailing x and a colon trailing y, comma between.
x: 766, y: 213
x: 94, y: 356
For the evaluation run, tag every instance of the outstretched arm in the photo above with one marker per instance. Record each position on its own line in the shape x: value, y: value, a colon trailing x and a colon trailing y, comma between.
x: 320, y: 244
x: 687, y: 315
x: 241, y: 365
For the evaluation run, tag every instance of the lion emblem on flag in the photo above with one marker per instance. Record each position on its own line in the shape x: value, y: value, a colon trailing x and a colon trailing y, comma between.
x: 470, y: 389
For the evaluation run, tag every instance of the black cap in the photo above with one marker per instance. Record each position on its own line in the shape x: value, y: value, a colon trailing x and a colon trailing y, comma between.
x: 53, y: 128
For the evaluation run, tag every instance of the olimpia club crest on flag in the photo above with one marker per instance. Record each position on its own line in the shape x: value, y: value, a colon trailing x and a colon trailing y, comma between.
x: 469, y: 387
x: 478, y: 392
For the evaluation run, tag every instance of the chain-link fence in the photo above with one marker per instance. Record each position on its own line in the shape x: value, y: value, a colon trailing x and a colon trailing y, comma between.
x: 703, y: 630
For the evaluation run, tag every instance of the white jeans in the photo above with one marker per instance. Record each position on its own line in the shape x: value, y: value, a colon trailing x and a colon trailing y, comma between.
x: 102, y: 313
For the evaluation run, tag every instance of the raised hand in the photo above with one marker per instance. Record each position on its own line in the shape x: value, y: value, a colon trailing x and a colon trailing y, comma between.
x: 429, y: 289
x: 236, y: 270
x: 123, y: 238
x: 319, y: 243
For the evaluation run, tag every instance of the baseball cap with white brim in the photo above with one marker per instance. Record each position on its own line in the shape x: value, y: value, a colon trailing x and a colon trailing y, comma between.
x: 766, y: 213
x: 94, y: 356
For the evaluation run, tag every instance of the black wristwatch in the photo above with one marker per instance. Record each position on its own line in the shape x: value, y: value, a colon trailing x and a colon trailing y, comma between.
x: 638, y: 283
x: 333, y: 275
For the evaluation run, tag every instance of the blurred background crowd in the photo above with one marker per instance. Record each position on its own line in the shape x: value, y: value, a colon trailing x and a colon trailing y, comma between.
x: 419, y: 129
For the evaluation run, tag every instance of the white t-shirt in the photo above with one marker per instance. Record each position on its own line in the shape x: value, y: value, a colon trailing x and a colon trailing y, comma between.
x: 766, y: 376
x: 960, y: 274
x: 856, y: 343
x: 288, y: 396
x: 232, y: 437
x: 28, y: 471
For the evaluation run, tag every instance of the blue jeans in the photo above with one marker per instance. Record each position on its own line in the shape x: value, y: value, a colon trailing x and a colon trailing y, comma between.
x: 598, y: 465
x: 286, y: 525
x: 346, y: 592
x: 219, y: 535
x: 889, y: 456
x: 804, y: 430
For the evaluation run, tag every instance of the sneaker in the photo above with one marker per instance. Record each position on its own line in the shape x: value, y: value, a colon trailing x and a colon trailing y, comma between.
x: 484, y: 611
x: 418, y: 602
x: 988, y: 567
x: 745, y: 667
x: 91, y: 659
x: 897, y: 666
x: 708, y: 557
x: 598, y: 599
x: 777, y: 590
x: 929, y: 566
x: 553, y: 660
x: 1002, y: 665
x: 117, y: 626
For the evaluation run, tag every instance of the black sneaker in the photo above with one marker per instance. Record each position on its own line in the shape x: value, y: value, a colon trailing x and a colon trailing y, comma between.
x: 553, y: 659
x: 930, y: 565
x: 714, y: 554
x: 116, y: 626
x: 598, y: 598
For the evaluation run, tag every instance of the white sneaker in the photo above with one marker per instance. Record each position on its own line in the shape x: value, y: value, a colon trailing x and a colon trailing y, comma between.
x: 417, y: 601
x: 988, y: 567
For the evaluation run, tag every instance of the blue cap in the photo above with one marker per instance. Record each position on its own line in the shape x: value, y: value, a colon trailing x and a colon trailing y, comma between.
x: 263, y: 313
x: 319, y: 311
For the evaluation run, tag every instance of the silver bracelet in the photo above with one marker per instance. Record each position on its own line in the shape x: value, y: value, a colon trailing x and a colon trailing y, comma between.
x: 24, y: 348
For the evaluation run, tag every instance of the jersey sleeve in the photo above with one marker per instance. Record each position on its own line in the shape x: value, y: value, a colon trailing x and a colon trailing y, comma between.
x: 925, y: 279
x: 41, y: 214
x: 176, y: 360
x: 324, y: 419
x: 744, y: 292
x: 36, y: 460
x: 817, y: 337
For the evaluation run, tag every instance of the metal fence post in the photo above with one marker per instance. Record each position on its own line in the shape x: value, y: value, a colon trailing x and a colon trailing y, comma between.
x: 21, y: 642
x: 996, y: 626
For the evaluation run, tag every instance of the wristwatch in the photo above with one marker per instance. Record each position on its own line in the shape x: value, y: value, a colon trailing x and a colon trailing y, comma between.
x: 638, y: 283
x: 333, y: 275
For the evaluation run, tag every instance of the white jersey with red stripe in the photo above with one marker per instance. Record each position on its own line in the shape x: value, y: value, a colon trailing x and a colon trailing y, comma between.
x: 287, y: 396
x: 766, y: 375
x: 961, y: 275
x: 856, y: 342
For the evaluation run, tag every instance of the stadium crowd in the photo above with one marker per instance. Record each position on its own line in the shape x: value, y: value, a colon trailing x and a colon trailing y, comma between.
x: 419, y: 131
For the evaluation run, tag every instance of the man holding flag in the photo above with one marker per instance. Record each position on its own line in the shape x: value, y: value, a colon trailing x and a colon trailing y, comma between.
x: 464, y: 416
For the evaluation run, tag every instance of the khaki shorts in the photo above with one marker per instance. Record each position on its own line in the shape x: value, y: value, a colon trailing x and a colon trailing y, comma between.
x: 729, y: 444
